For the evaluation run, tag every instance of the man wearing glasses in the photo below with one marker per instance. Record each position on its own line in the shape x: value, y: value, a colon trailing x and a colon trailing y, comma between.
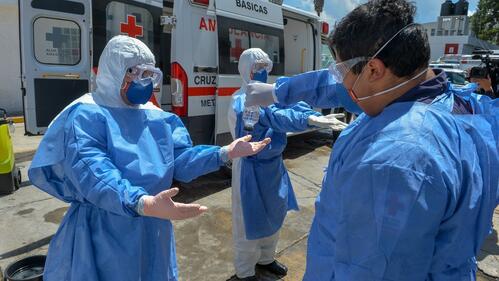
x: 412, y: 184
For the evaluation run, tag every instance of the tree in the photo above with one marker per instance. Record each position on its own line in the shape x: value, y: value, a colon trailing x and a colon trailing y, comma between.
x: 485, y: 21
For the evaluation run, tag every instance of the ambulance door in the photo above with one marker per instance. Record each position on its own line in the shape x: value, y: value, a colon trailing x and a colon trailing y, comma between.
x: 55, y: 58
x: 138, y: 19
x: 243, y: 25
x: 165, y: 54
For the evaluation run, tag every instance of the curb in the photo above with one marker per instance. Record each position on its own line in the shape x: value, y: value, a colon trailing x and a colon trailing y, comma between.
x: 17, y: 119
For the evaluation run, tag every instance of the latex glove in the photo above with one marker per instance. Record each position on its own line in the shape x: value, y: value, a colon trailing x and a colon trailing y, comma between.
x: 328, y: 121
x: 261, y: 94
x: 162, y: 206
x: 241, y: 147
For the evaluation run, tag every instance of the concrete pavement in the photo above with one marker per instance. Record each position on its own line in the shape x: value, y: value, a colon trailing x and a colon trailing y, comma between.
x: 29, y: 217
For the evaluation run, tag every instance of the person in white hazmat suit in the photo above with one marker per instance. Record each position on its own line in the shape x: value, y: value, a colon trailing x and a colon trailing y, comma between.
x: 261, y: 189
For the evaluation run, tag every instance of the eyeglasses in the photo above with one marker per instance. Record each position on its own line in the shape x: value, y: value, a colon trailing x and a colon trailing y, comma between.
x: 146, y: 72
x: 340, y: 70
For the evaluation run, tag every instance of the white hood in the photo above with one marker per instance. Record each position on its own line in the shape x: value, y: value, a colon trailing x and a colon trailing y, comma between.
x: 120, y: 53
x: 246, y: 61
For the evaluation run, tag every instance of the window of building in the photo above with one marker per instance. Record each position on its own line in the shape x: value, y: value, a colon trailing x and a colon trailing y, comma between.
x: 433, y: 32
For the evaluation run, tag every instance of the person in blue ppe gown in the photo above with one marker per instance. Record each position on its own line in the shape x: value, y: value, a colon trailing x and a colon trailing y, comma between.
x: 412, y: 183
x: 261, y: 188
x: 113, y: 155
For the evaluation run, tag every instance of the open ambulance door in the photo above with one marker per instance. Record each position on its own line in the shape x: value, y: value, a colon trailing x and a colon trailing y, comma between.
x: 55, y: 57
x: 242, y: 25
x: 135, y: 18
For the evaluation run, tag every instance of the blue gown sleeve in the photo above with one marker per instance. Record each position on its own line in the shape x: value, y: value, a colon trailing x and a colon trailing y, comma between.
x: 288, y: 119
x: 91, y: 172
x: 317, y: 88
x: 192, y: 161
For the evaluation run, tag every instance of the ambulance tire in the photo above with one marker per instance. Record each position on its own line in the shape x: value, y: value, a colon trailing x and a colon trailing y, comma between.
x: 18, y: 179
x: 227, y: 169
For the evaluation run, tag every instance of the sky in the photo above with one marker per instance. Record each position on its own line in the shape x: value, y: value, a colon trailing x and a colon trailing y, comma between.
x: 427, y: 10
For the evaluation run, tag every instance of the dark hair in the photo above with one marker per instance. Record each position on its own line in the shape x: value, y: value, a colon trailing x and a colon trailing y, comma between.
x: 368, y: 27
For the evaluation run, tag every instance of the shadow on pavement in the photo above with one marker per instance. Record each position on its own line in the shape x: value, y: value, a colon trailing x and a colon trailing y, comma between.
x: 303, y: 144
x: 26, y: 248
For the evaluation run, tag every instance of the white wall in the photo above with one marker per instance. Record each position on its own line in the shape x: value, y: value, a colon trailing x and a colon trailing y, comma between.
x: 437, y: 44
x: 10, y: 83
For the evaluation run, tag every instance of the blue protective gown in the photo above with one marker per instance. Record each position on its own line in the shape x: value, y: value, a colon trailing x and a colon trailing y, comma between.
x: 408, y: 194
x: 266, y: 190
x: 101, y: 160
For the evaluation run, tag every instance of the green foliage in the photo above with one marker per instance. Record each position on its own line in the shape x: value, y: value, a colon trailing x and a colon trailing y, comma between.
x: 485, y: 22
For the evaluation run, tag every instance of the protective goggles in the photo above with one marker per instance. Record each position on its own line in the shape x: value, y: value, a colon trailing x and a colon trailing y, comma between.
x: 146, y: 73
x: 340, y: 70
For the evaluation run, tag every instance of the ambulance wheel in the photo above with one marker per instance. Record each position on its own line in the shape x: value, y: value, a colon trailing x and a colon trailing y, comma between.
x: 227, y: 169
x: 18, y: 180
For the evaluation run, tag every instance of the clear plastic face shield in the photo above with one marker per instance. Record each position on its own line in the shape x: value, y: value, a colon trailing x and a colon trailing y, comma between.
x: 145, y: 74
x: 340, y: 70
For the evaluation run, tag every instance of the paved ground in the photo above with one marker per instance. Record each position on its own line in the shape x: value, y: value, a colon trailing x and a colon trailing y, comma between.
x: 29, y: 218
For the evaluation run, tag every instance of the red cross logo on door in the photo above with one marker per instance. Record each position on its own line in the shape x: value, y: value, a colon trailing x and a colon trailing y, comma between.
x: 131, y: 28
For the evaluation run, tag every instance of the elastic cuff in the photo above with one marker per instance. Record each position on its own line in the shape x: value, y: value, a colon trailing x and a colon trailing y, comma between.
x: 224, y: 154
x: 140, y: 206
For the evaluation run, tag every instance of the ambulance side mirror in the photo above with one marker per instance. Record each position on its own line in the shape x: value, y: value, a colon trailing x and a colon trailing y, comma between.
x: 211, y: 8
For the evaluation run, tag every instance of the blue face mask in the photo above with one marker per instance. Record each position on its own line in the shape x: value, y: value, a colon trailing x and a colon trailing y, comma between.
x: 261, y: 76
x: 139, y: 92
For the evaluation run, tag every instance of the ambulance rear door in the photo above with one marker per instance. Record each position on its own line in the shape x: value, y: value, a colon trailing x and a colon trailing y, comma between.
x: 242, y: 25
x: 55, y: 57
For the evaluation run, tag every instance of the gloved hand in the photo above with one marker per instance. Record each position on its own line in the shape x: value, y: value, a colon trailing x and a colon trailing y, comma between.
x: 241, y: 147
x: 163, y: 207
x: 328, y: 121
x: 261, y: 94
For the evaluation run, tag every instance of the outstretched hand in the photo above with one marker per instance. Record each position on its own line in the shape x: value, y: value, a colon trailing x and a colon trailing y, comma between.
x: 242, y: 147
x: 162, y: 206
x: 328, y: 121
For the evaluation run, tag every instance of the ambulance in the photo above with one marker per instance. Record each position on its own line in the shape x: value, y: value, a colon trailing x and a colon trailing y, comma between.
x: 197, y: 44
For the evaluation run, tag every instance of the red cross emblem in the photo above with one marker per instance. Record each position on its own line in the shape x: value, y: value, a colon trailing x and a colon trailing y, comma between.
x: 237, y: 50
x: 131, y: 28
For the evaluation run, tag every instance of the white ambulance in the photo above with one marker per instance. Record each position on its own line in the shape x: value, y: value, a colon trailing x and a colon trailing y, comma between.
x: 197, y: 44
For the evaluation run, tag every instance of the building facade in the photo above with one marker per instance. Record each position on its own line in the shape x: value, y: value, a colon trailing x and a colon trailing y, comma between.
x: 451, y: 34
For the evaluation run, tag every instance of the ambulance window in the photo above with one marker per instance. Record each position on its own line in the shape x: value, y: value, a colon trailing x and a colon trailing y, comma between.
x: 235, y: 36
x: 239, y: 41
x: 129, y: 20
x: 56, y: 41
x: 268, y: 43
